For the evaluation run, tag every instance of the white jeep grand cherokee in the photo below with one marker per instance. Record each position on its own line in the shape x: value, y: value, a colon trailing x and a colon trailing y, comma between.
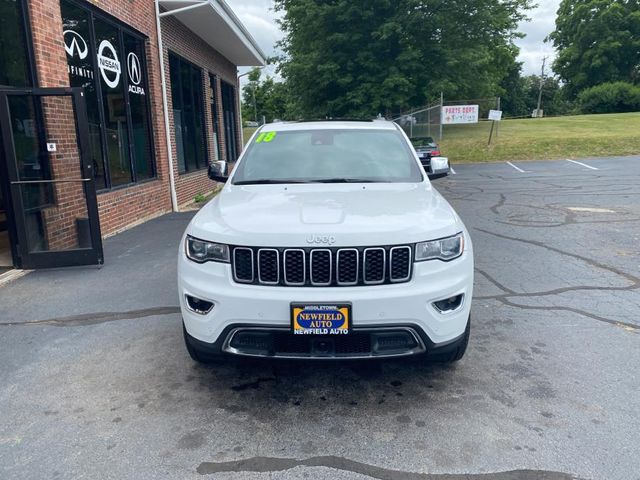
x: 327, y: 241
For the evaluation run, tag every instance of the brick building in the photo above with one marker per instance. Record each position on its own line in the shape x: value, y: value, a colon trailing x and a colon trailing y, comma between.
x: 153, y: 100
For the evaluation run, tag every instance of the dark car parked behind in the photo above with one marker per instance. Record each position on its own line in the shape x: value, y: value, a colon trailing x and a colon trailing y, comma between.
x: 427, y: 149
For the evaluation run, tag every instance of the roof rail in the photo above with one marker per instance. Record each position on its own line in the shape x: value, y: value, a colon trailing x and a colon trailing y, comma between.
x: 336, y: 119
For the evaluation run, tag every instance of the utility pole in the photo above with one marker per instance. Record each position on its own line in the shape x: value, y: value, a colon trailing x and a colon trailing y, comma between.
x: 544, y: 60
x: 441, y: 108
x: 255, y: 107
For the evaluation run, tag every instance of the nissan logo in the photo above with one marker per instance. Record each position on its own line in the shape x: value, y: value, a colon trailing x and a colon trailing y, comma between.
x: 133, y: 67
x: 74, y: 43
x: 321, y: 239
x: 109, y: 64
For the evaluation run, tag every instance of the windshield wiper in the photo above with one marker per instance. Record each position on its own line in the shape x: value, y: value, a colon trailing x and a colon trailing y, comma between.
x: 267, y: 181
x: 344, y: 180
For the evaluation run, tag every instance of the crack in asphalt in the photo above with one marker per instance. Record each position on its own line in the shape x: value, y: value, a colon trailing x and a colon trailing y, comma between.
x: 500, y: 203
x: 98, y: 317
x: 594, y: 263
x: 509, y: 293
x: 272, y: 464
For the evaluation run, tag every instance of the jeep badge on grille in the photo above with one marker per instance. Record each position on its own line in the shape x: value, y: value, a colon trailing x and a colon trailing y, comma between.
x: 321, y: 239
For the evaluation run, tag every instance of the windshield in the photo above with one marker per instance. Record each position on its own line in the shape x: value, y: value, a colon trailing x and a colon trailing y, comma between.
x: 423, y: 142
x: 329, y: 156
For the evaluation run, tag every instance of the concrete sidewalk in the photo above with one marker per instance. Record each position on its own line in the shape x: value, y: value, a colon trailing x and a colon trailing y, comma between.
x: 139, y: 275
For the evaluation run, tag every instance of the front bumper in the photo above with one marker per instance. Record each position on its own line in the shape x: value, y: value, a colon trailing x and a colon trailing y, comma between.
x: 397, y: 306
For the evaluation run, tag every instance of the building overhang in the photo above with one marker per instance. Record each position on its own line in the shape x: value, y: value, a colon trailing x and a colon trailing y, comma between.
x: 215, y: 23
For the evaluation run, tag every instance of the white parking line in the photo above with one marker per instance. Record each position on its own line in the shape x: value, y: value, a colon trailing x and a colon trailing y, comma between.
x: 517, y: 168
x: 452, y: 170
x: 583, y: 164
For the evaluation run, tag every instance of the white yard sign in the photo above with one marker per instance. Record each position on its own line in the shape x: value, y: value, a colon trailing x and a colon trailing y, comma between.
x: 495, y: 115
x: 452, y: 114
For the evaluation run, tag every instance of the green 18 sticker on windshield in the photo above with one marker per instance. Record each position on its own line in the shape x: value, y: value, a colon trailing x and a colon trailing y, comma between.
x: 266, y: 137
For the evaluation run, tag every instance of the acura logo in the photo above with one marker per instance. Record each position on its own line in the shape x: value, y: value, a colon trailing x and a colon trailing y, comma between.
x: 74, y: 43
x: 133, y: 66
x: 321, y: 239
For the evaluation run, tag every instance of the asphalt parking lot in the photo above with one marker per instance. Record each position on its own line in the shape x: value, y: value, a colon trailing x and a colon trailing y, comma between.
x: 96, y: 383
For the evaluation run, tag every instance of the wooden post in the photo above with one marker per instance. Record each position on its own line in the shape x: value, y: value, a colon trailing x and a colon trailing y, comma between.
x: 491, y: 132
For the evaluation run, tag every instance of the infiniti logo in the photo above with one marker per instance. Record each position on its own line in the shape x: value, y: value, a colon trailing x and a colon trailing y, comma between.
x: 321, y: 239
x: 74, y: 43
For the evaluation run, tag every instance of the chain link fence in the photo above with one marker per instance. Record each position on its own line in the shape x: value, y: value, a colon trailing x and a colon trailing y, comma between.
x: 427, y: 122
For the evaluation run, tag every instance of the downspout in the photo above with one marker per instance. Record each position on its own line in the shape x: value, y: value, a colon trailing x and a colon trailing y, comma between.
x: 165, y: 107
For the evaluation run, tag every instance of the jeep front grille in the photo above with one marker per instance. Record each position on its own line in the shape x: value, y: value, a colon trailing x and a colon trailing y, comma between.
x: 322, y: 267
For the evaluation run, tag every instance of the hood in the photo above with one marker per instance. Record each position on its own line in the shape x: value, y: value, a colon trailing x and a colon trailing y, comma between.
x: 302, y: 215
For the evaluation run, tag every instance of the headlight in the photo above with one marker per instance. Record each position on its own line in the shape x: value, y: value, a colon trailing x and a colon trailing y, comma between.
x: 443, y: 249
x: 201, y: 251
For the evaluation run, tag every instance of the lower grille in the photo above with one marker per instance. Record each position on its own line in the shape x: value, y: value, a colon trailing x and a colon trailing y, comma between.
x: 322, y: 267
x: 380, y: 342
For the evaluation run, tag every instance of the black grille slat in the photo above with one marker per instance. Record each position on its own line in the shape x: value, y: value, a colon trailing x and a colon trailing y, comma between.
x: 243, y: 265
x: 347, y: 267
x: 374, y: 265
x: 319, y: 267
x: 400, y: 263
x: 294, y: 267
x: 268, y: 266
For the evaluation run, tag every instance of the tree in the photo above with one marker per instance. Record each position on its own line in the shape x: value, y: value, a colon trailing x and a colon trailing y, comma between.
x: 597, y: 41
x: 513, y: 99
x: 552, y: 95
x: 264, y: 98
x: 364, y: 57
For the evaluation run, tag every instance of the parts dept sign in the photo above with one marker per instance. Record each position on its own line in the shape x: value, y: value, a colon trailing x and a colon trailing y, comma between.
x: 453, y: 114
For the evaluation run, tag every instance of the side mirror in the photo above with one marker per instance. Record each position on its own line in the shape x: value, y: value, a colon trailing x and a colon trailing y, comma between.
x: 439, y: 167
x: 219, y: 171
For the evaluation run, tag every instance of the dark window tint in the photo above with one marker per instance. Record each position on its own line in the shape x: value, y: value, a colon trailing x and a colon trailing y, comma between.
x: 230, y: 121
x: 214, y: 116
x: 14, y: 57
x: 32, y: 160
x: 188, y: 118
x: 138, y: 91
x: 108, y: 61
x: 77, y: 40
x: 110, y: 72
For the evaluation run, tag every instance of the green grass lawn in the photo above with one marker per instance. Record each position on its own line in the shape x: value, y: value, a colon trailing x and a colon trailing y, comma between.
x: 247, y: 132
x: 540, y: 138
x: 544, y: 138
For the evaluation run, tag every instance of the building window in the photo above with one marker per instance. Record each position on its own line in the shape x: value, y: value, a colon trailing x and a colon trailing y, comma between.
x: 230, y: 121
x: 15, y: 62
x: 108, y: 61
x: 214, y: 117
x: 188, y: 114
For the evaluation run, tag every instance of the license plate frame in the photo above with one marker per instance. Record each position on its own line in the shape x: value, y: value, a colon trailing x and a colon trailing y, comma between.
x: 321, y: 309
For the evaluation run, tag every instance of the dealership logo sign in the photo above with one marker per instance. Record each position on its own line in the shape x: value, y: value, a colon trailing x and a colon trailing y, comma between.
x: 75, y: 44
x: 135, y: 73
x: 109, y: 64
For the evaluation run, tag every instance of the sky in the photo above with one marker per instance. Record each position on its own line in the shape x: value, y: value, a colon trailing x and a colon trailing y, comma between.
x: 260, y: 19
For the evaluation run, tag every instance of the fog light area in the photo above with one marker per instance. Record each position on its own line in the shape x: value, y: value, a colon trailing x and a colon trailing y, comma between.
x: 197, y: 305
x: 449, y: 304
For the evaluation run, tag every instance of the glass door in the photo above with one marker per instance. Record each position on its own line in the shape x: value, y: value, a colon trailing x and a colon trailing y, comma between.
x: 51, y: 180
